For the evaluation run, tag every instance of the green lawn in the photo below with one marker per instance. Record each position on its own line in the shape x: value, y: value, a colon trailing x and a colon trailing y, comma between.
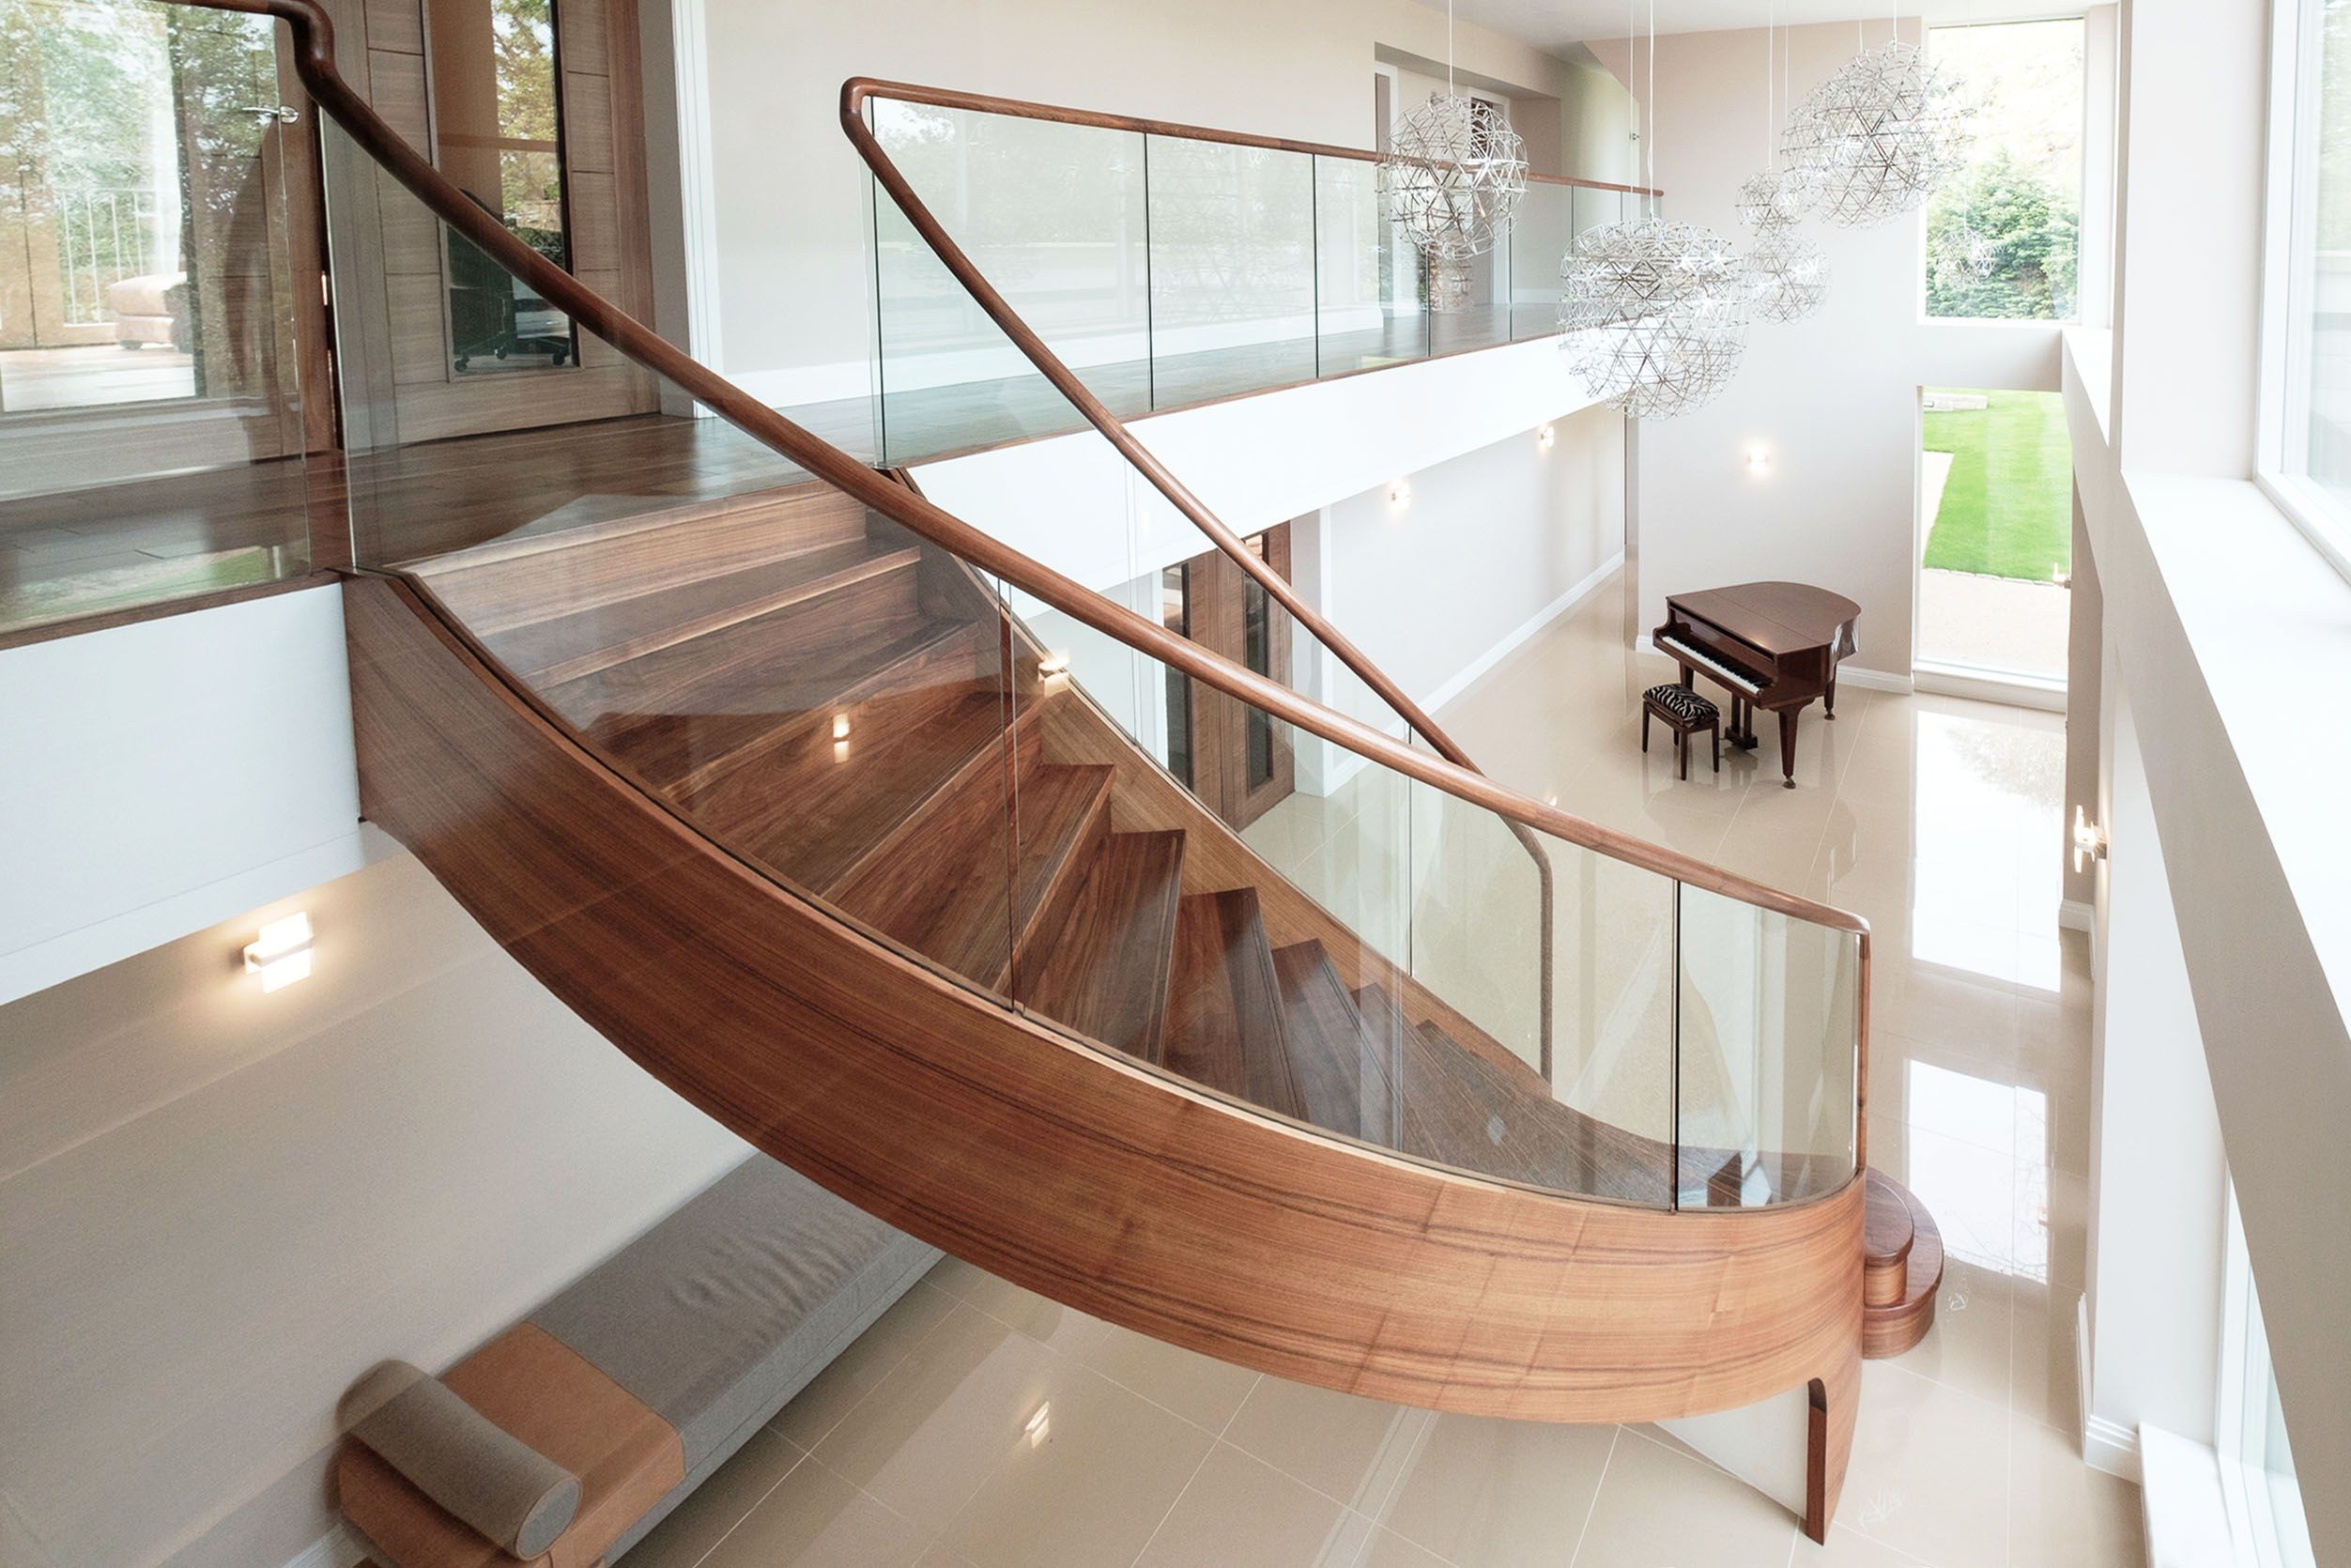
x: 2007, y: 509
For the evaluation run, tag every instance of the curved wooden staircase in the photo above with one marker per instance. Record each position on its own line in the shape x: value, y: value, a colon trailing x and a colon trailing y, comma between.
x: 777, y: 794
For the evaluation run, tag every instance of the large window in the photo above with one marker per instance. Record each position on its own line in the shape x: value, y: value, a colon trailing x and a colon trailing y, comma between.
x: 2306, y: 425
x: 2002, y: 235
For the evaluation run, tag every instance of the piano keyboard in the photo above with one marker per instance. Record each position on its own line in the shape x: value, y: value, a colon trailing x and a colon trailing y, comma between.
x: 1737, y: 680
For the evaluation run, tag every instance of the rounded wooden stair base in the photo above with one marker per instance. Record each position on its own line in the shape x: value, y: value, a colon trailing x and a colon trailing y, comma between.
x: 1901, y: 1267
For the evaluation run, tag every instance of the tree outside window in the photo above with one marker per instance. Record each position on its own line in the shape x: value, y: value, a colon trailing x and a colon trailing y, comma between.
x: 2002, y: 235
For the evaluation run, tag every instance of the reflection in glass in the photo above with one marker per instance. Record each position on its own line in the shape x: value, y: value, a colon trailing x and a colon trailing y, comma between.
x: 1232, y: 269
x: 146, y: 308
x: 1053, y: 216
x: 497, y: 134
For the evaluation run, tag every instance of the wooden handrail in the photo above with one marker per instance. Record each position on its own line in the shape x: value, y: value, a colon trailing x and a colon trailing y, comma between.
x: 1061, y: 113
x: 313, y: 62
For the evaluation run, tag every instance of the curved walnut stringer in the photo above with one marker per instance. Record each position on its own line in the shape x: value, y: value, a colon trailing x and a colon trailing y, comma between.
x: 1064, y: 1168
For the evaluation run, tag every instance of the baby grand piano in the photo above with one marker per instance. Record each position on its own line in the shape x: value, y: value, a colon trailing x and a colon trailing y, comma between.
x: 1772, y: 645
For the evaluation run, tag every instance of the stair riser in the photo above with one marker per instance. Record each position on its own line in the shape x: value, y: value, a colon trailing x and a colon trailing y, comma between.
x: 743, y: 668
x: 938, y: 674
x: 498, y: 595
x: 716, y: 620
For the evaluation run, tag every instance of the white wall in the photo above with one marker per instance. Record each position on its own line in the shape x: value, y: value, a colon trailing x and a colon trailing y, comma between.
x: 787, y: 190
x: 159, y: 776
x: 1505, y: 529
x: 217, y: 1207
x: 2158, y: 1176
x: 1073, y: 504
x: 1489, y: 546
x: 1833, y: 398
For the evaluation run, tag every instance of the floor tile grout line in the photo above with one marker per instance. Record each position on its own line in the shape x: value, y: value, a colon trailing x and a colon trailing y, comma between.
x: 744, y: 1518
x: 920, y: 1340
x: 1082, y: 1366
x: 1174, y: 1503
x: 1592, y: 1509
x: 1216, y: 1440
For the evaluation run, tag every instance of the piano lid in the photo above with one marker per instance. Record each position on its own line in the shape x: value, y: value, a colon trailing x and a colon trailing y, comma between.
x: 1778, y: 618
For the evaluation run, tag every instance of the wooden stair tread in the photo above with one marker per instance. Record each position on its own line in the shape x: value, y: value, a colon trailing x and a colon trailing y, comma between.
x: 1059, y: 842
x: 565, y: 647
x: 1887, y: 1229
x: 811, y: 809
x: 699, y: 689
x: 1224, y: 1025
x: 1895, y: 1322
x: 1438, y: 1117
x: 940, y: 883
x: 508, y: 582
x: 1104, y: 945
x: 1339, y: 1068
x: 784, y: 661
x: 905, y: 679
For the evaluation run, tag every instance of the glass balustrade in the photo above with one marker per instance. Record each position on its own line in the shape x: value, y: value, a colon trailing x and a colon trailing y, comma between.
x: 1166, y: 270
x: 156, y: 341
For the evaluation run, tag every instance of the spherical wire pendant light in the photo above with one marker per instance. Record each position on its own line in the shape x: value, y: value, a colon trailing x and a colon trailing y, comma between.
x: 1879, y: 135
x: 1787, y: 277
x: 1455, y: 171
x: 1654, y: 313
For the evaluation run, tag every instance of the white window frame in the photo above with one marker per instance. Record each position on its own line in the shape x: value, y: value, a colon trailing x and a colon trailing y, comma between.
x: 2251, y: 1514
x: 2289, y: 236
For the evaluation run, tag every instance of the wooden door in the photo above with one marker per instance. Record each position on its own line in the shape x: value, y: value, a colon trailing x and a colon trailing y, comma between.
x: 533, y: 107
x: 1238, y: 761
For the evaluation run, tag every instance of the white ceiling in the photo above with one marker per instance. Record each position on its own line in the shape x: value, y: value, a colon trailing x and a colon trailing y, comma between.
x: 1556, y: 23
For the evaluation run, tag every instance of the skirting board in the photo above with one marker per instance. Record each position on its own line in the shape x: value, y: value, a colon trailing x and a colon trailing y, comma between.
x: 1851, y: 675
x: 1524, y: 633
x: 2106, y: 1445
x: 1347, y: 764
x: 2049, y: 697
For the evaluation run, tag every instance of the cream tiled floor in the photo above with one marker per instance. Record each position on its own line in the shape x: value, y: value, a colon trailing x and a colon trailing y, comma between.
x: 977, y: 1423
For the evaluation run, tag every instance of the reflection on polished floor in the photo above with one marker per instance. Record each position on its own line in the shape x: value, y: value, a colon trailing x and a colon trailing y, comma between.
x: 977, y: 1423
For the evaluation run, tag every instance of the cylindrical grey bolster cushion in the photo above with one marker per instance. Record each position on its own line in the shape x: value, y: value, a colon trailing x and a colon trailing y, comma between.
x: 516, y: 1496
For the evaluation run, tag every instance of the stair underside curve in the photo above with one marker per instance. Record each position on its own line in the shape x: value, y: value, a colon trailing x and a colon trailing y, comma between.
x: 1064, y: 1168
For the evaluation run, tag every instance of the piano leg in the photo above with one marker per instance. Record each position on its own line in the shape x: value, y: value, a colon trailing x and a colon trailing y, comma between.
x: 1788, y: 747
x: 1742, y: 732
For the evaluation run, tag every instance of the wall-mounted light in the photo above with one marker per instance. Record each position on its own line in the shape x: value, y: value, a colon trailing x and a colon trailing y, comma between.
x: 840, y: 737
x: 1400, y: 492
x: 2089, y: 841
x: 281, y: 955
x: 1054, y: 666
x: 1758, y: 463
x: 1543, y: 437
